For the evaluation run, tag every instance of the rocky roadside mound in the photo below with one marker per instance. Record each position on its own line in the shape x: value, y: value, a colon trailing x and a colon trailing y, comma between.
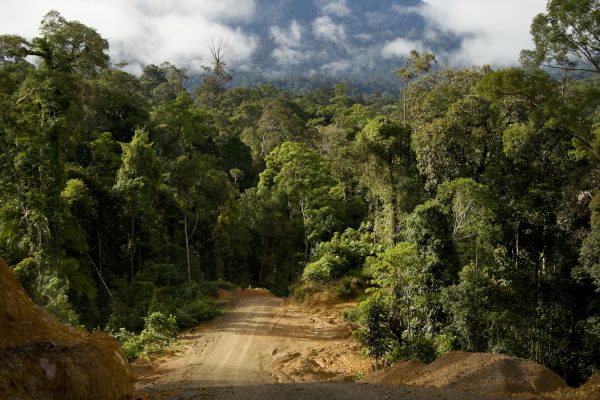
x: 41, y: 358
x: 485, y: 374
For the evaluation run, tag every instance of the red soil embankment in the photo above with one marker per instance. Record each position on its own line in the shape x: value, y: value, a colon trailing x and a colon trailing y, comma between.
x: 41, y: 358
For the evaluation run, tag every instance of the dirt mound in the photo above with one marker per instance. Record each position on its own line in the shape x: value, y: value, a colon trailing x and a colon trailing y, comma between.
x: 43, y: 358
x: 315, y: 344
x: 321, y: 298
x: 588, y: 391
x: 320, y: 362
x: 481, y: 373
x: 592, y: 386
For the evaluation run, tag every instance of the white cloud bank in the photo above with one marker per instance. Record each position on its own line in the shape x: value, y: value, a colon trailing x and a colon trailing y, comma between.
x: 151, y: 31
x: 146, y: 31
x: 325, y: 28
x: 400, y: 48
x: 496, y: 31
x: 289, y: 45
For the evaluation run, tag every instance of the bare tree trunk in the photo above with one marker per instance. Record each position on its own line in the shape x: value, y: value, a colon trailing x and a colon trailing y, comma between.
x: 393, y: 199
x: 404, y: 101
x: 132, y: 247
x: 304, y: 223
x: 187, y: 250
x: 100, y: 275
x: 99, y: 252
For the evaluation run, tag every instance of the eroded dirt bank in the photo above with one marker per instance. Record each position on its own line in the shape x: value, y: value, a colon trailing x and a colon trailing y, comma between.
x: 41, y: 358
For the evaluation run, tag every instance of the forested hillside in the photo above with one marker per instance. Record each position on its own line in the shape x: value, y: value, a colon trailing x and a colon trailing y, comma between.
x: 468, y: 205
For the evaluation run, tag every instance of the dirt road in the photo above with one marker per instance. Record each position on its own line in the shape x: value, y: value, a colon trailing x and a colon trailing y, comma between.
x: 226, y: 352
x: 264, y: 349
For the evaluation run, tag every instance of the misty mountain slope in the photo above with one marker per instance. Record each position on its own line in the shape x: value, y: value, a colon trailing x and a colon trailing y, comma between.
x: 350, y: 40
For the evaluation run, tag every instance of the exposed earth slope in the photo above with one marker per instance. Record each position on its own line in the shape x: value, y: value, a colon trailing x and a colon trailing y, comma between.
x: 41, y: 358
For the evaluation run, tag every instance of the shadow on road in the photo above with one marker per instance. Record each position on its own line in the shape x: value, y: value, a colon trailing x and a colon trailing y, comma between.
x: 305, y: 391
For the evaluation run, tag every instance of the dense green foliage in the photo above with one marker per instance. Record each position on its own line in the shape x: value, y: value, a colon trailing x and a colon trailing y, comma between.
x: 159, y: 331
x: 125, y: 200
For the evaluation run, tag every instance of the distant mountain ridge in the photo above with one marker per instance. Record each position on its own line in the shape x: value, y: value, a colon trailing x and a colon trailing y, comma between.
x: 335, y: 39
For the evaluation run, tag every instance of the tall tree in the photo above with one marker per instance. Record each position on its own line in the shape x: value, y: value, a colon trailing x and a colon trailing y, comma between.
x: 302, y: 176
x: 460, y: 144
x: 138, y: 181
x: 567, y: 36
x: 414, y: 65
x: 69, y: 51
x: 387, y: 144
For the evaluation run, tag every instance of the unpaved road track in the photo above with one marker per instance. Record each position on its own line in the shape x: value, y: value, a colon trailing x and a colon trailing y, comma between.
x: 234, y: 357
x: 226, y: 352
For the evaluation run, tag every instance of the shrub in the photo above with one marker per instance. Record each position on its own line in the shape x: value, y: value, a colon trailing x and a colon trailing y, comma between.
x: 374, y: 334
x: 159, y: 331
x: 303, y: 289
x: 323, y: 269
x: 226, y: 285
x: 343, y: 254
x: 47, y: 289
x: 351, y: 314
x: 26, y: 272
x: 345, y: 288
x: 420, y: 347
x: 299, y: 293
x: 161, y: 324
x: 196, y: 312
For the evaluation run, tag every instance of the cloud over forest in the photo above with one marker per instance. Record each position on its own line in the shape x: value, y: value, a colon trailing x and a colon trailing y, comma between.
x: 151, y: 31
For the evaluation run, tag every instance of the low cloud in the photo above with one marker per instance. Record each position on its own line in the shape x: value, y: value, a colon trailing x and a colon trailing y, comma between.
x: 494, y: 31
x: 336, y: 7
x: 142, y: 32
x: 287, y: 57
x: 400, y: 48
x: 325, y: 28
x: 289, y: 50
x: 290, y: 37
x: 337, y: 67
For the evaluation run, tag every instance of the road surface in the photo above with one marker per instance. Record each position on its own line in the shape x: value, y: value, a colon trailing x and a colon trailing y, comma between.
x: 259, y: 344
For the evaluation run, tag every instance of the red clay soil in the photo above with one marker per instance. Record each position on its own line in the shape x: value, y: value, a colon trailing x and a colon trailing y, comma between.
x: 41, y: 358
x: 588, y: 391
x: 481, y: 373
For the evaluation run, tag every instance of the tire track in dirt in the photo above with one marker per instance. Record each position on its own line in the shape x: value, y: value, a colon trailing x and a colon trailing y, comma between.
x: 225, y: 352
